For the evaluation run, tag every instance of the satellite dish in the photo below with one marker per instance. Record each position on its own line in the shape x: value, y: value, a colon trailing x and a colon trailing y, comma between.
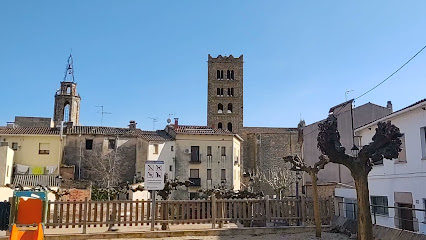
x: 169, y: 120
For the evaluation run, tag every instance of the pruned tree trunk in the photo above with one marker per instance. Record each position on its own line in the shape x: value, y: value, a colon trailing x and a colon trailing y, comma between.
x: 365, y: 226
x: 316, y: 205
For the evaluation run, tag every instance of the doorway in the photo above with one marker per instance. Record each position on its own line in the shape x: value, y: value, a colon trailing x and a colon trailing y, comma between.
x: 406, y: 216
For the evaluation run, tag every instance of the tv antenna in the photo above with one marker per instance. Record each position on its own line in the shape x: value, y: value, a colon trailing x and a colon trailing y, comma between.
x: 102, y: 113
x: 154, y: 120
x: 346, y: 94
x: 169, y: 120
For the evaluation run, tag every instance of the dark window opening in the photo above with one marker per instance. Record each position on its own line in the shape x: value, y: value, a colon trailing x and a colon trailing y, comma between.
x: 195, y: 154
x: 220, y: 108
x: 209, y: 174
x: 171, y: 168
x: 219, y: 125
x: 232, y: 74
x: 223, y: 174
x: 111, y: 143
x: 228, y: 74
x: 218, y: 91
x: 209, y: 150
x: 15, y: 146
x: 223, y: 151
x: 381, y: 203
x: 218, y: 74
x: 232, y: 92
x: 229, y: 107
x: 221, y: 92
x: 221, y: 74
x: 230, y: 127
x: 89, y: 144
x: 172, y: 148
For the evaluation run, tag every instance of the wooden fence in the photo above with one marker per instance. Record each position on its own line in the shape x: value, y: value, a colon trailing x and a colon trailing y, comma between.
x: 249, y: 212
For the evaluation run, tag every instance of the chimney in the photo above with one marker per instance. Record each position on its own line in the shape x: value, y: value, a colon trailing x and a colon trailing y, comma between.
x: 176, y: 123
x: 389, y: 106
x: 132, y: 125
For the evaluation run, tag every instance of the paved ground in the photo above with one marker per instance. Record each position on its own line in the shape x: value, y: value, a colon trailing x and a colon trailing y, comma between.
x: 296, y: 236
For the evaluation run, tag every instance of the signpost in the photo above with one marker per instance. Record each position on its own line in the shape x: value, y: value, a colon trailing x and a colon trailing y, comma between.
x: 154, y: 180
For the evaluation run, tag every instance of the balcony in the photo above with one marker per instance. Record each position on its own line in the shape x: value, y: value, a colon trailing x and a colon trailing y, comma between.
x: 195, y: 182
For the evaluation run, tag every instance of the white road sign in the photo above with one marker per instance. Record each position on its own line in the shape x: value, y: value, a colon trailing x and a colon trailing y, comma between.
x: 154, y: 175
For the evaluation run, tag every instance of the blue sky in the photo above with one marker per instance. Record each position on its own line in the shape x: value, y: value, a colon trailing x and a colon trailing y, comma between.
x: 144, y: 59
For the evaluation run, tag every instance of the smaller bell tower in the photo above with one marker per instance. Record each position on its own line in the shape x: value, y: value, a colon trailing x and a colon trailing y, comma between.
x: 67, y: 100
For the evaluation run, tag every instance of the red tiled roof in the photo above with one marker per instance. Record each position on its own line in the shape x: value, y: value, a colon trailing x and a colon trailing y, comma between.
x: 158, y: 135
x: 30, y: 131
x: 188, y: 129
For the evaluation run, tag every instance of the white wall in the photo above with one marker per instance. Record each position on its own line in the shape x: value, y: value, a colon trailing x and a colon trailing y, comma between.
x: 165, y: 154
x: 6, y: 165
x: 394, y: 176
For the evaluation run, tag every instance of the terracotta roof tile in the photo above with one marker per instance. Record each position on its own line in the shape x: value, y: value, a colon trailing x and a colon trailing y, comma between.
x: 30, y: 131
x: 188, y: 129
x: 158, y: 135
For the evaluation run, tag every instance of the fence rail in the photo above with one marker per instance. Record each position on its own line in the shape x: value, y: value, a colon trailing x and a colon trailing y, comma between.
x: 249, y: 212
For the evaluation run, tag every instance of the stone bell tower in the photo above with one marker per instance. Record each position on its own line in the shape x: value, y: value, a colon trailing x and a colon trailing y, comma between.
x: 225, y: 93
x: 67, y: 100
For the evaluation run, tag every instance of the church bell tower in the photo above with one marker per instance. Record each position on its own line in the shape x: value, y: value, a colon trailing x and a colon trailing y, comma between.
x: 67, y: 100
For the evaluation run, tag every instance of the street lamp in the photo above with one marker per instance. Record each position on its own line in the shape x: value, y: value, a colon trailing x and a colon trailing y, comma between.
x: 355, y: 151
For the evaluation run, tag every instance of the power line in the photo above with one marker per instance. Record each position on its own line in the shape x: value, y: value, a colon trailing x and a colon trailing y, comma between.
x: 415, y: 55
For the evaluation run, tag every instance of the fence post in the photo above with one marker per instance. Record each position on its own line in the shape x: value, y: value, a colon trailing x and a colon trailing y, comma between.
x: 214, y: 210
x: 267, y: 212
x: 303, y: 210
x: 85, y: 216
x: 221, y: 213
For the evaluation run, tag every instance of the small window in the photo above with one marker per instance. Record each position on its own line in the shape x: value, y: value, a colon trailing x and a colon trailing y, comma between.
x: 68, y: 90
x: 194, y: 173
x: 223, y: 151
x: 228, y: 93
x: 221, y: 92
x: 171, y: 168
x: 89, y: 144
x: 218, y: 91
x: 402, y: 157
x: 223, y: 174
x: 219, y: 125
x: 221, y: 74
x: 195, y: 154
x: 209, y: 150
x: 209, y: 174
x: 155, y: 148
x: 43, y: 148
x: 15, y: 146
x: 230, y: 127
x: 228, y: 74
x: 232, y: 74
x: 111, y: 143
x: 218, y: 74
x: 172, y: 148
x: 193, y: 195
x: 232, y: 92
x: 381, y: 203
x: 423, y: 141
x: 67, y: 112
x: 219, y: 108
x: 229, y: 107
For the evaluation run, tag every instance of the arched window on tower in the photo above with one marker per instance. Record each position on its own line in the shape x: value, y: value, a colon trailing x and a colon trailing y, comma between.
x: 67, y: 112
x: 232, y: 92
x: 232, y: 74
x: 219, y: 125
x: 218, y: 74
x: 229, y: 107
x: 220, y: 108
x: 68, y: 90
x: 221, y: 74
x: 218, y: 91
x: 221, y: 92
x: 228, y: 74
x: 230, y: 127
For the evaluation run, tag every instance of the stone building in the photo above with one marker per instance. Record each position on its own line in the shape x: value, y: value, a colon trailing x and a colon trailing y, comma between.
x: 263, y: 147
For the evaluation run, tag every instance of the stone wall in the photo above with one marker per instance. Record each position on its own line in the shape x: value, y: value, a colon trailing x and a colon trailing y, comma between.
x: 33, y: 122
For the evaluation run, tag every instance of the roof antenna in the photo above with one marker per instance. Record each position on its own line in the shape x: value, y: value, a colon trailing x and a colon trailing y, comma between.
x: 154, y: 120
x: 102, y: 113
x: 346, y: 94
x: 169, y: 120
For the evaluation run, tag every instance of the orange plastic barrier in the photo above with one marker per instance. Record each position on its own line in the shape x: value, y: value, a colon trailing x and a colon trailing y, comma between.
x: 17, y: 234
x: 29, y: 211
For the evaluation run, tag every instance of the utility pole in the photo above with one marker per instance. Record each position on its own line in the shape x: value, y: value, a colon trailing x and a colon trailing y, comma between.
x: 102, y: 113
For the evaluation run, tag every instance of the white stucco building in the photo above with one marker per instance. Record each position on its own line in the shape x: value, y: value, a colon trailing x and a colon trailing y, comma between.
x: 401, y: 182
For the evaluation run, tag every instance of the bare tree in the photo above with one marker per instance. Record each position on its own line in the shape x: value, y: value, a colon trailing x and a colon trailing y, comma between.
x: 300, y: 165
x: 107, y: 170
x: 279, y: 178
x: 386, y: 144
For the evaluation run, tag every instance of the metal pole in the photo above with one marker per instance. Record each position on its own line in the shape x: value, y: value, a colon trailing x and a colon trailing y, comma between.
x: 153, y: 210
x: 297, y: 202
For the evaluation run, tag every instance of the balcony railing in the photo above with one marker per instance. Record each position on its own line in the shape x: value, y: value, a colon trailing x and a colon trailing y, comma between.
x: 35, y: 180
x: 195, y: 182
